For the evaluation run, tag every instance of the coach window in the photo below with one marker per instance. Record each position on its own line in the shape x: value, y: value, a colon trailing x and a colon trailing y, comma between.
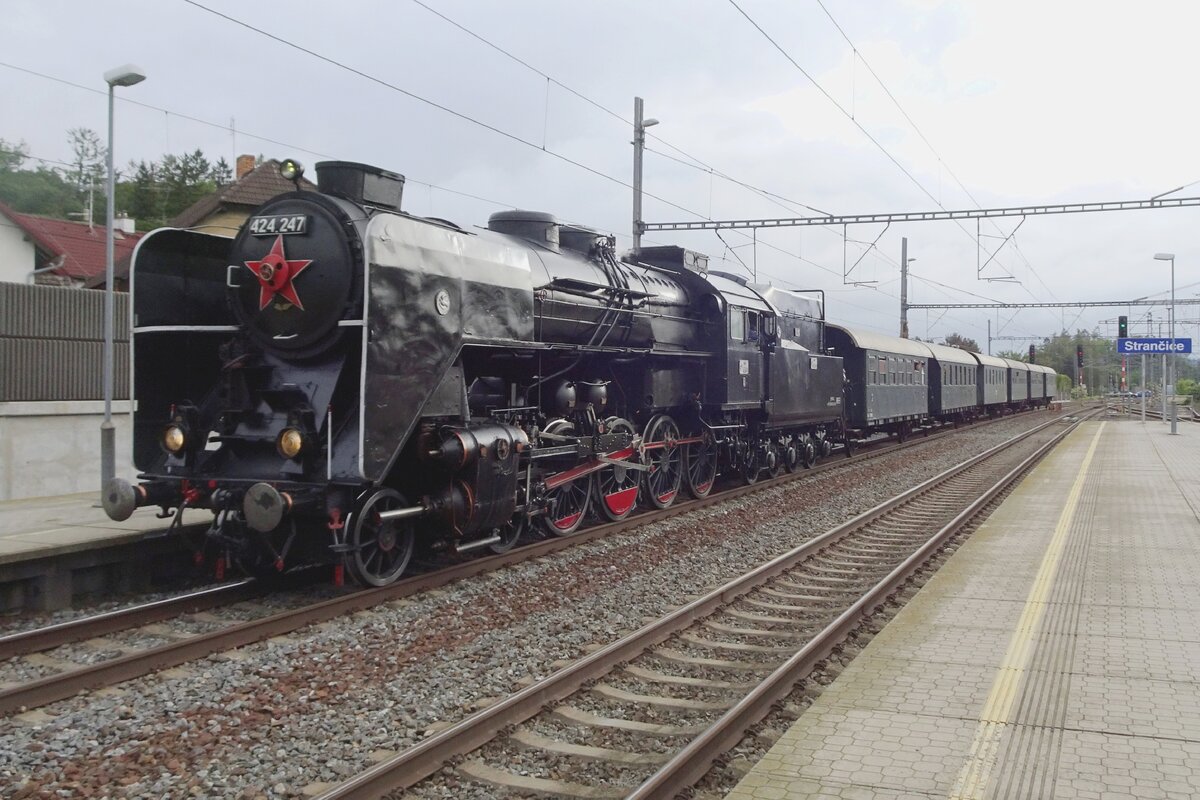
x: 737, y: 325
x: 753, y: 319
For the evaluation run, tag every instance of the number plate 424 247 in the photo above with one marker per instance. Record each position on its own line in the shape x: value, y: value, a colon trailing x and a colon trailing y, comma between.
x: 278, y: 223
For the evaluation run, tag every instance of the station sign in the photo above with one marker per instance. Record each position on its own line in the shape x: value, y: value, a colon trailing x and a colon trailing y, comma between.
x: 1147, y: 347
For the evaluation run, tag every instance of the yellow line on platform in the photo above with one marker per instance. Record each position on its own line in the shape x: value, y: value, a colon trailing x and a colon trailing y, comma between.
x: 973, y: 777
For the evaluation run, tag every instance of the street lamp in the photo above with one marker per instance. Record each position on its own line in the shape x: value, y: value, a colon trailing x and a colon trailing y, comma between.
x: 639, y: 144
x: 126, y: 75
x: 1170, y: 379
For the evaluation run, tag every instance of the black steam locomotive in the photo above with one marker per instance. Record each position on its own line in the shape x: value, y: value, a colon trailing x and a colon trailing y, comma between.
x: 343, y: 379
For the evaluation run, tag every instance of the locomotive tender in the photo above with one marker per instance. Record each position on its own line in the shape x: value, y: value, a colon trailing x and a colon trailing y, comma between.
x: 344, y: 379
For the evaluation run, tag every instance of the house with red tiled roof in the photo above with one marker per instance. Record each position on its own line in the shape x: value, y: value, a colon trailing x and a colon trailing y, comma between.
x: 58, y: 252
x: 224, y: 211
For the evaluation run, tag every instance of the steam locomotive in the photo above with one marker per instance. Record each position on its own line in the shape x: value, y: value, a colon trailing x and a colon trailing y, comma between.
x: 344, y: 380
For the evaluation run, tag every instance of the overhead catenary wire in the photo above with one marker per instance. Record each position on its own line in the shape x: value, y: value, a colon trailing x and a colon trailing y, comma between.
x: 466, y: 117
x: 460, y: 115
x: 863, y: 129
x: 941, y: 161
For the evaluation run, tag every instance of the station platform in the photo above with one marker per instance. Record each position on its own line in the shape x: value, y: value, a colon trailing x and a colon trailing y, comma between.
x: 1056, y: 654
x: 53, y: 548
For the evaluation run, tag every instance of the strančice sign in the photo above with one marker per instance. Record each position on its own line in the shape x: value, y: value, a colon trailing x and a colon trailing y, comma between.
x: 1144, y: 347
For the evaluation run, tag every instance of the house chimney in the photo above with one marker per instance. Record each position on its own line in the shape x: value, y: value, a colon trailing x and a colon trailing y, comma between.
x: 125, y: 224
x: 245, y: 165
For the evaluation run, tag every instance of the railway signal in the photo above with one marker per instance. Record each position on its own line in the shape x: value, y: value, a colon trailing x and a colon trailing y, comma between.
x: 1123, y: 327
x: 1032, y: 354
x: 1079, y: 354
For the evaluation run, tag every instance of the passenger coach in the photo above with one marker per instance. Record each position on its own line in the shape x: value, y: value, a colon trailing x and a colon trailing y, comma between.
x: 992, y: 383
x: 888, y: 380
x: 952, y: 383
x: 1018, y: 382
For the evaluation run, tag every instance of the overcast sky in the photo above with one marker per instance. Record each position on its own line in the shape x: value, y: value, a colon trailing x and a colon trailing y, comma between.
x: 995, y: 103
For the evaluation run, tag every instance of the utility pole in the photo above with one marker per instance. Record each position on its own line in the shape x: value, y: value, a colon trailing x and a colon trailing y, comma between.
x: 639, y: 145
x: 904, y: 287
x: 989, y: 347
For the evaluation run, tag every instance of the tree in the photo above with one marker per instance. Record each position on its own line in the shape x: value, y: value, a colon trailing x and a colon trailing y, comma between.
x: 963, y: 343
x: 1013, y: 355
x: 87, y: 167
x: 12, y: 155
x: 38, y: 191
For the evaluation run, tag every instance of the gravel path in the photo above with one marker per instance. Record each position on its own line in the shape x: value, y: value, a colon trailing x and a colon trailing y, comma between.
x: 320, y: 705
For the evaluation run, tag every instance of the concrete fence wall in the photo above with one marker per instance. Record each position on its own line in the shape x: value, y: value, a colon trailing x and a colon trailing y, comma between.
x: 53, y: 448
x: 52, y: 344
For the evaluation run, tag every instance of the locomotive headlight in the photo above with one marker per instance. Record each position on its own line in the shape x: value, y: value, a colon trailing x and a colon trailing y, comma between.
x: 173, y: 438
x: 290, y: 443
x: 291, y: 170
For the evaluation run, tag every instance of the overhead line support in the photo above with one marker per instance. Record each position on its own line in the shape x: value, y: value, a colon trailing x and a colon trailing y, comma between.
x: 924, y: 216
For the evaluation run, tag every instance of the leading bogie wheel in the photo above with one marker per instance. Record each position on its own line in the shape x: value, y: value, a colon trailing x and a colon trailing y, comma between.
x: 616, y: 486
x: 664, y: 459
x: 510, y: 533
x: 380, y: 548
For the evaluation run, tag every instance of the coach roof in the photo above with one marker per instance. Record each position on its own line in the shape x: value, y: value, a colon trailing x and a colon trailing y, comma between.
x: 867, y: 340
x: 951, y: 355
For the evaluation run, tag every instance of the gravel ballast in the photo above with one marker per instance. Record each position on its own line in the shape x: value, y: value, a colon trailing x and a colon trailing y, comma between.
x: 318, y: 705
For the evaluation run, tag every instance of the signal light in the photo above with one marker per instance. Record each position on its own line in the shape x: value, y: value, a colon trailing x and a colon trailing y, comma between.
x: 1032, y: 354
x: 1123, y: 327
x: 1079, y: 354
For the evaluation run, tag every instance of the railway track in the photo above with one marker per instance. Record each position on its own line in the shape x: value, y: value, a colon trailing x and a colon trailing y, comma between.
x: 66, y: 679
x: 647, y: 716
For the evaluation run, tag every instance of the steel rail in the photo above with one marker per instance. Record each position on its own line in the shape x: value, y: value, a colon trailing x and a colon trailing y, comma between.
x: 121, y: 619
x: 693, y: 762
x: 424, y: 759
x: 66, y: 684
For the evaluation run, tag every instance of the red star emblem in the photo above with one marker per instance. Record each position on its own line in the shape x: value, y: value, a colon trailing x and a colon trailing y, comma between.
x: 275, y: 275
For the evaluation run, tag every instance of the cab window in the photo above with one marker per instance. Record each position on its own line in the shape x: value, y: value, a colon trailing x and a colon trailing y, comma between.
x: 737, y: 325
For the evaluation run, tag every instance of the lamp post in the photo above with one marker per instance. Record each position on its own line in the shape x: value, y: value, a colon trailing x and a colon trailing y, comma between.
x: 126, y: 75
x: 1170, y: 379
x: 639, y: 144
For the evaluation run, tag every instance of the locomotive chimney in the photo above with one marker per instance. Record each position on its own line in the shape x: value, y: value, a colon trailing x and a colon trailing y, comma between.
x: 361, y: 183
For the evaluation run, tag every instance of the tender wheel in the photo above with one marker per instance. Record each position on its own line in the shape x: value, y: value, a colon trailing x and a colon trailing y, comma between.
x: 510, y: 533
x: 774, y: 457
x: 380, y: 549
x: 616, y: 487
x: 750, y: 464
x: 808, y: 452
x: 665, y: 462
x: 792, y: 451
x: 700, y: 466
